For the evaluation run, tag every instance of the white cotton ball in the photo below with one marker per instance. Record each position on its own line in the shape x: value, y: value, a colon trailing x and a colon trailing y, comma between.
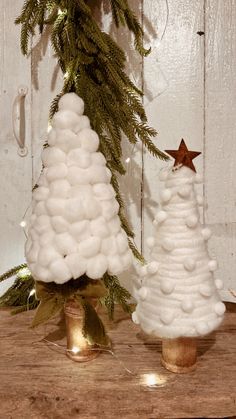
x: 83, y: 124
x: 109, y: 174
x: 192, y: 221
x: 76, y: 264
x: 220, y: 308
x: 189, y: 264
x: 47, y: 255
x: 65, y: 244
x: 187, y: 306
x: 96, y: 267
x: 65, y: 119
x: 206, y: 290
x: 42, y: 274
x: 199, y: 200
x: 212, y: 265
x: 202, y: 328
x: 163, y: 174
x: 143, y: 293
x: 46, y: 238
x: 109, y: 208
x: 33, y: 234
x: 32, y: 254
x: 55, y: 206
x: 198, y: 178
x: 184, y: 191
x: 60, y: 188
x: 115, y: 265
x: 89, y: 140
x: 103, y: 191
x: 122, y: 242
x: 67, y: 139
x: 90, y: 247
x: 59, y: 224
x: 51, y: 137
x: 78, y: 176
x: 166, y: 195
x: 99, y: 228
x: 98, y: 158
x: 79, y: 157
x: 167, y: 317
x: 168, y: 245
x: 135, y: 318
x: 109, y: 246
x: 161, y: 216
x: 92, y: 208
x: 219, y: 284
x: 33, y: 217
x: 74, y: 210
x: 127, y: 259
x: 41, y: 193
x: 99, y: 174
x: 80, y: 230
x: 206, y: 233
x: 40, y: 208
x: 114, y: 225
x: 42, y: 223
x: 150, y: 242
x: 166, y: 286
x: 71, y: 101
x: 58, y: 171
x: 52, y: 156
x: 152, y: 267
x: 60, y: 271
x: 42, y: 180
x: 143, y: 271
x: 81, y: 191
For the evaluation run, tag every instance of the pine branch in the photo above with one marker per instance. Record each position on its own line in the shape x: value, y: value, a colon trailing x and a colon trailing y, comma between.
x: 12, y: 272
x: 116, y: 294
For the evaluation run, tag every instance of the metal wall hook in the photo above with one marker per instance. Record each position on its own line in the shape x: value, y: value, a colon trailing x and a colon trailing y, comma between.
x: 18, y: 120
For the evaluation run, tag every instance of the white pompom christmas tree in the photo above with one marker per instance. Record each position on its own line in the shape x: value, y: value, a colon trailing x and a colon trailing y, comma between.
x: 75, y: 228
x: 179, y: 295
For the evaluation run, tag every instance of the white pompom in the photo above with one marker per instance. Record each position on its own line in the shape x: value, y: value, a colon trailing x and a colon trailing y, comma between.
x: 198, y: 178
x: 89, y: 140
x: 78, y: 176
x: 42, y: 180
x: 83, y: 123
x: 167, y: 287
x: 55, y: 206
x: 96, y: 267
x: 150, y: 242
x: 219, y: 284
x: 206, y: 290
x: 184, y: 191
x: 65, y: 119
x: 187, y: 306
x: 47, y: 255
x: 79, y: 157
x: 115, y: 265
x: 167, y: 317
x: 90, y: 247
x: 109, y: 208
x: 143, y: 271
x: 52, y: 156
x: 81, y: 191
x: 202, y: 328
x: 42, y: 223
x: 163, y: 174
x: 33, y: 234
x: 40, y: 208
x: 135, y: 318
x: 42, y: 274
x: 109, y: 246
x: 57, y: 172
x: 168, y: 245
x: 152, y: 267
x: 114, y: 225
x: 99, y: 174
x: 71, y: 101
x: 32, y: 254
x: 142, y: 293
x: 65, y: 244
x: 46, y: 238
x: 92, y: 208
x: 74, y: 210
x: 76, y: 265
x: 161, y: 216
x: 60, y: 188
x: 212, y: 265
x: 200, y: 200
x: 51, y: 137
x: 192, y: 221
x: 41, y: 193
x: 60, y: 271
x: 166, y: 195
x: 206, y: 233
x: 127, y: 259
x: 122, y: 242
x: 80, y: 230
x: 189, y: 264
x: 220, y: 308
x: 98, y: 158
x: 99, y: 228
x: 103, y: 191
x: 59, y: 224
x: 67, y: 139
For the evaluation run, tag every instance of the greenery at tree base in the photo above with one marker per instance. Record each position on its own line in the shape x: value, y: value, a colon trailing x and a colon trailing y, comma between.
x: 93, y: 65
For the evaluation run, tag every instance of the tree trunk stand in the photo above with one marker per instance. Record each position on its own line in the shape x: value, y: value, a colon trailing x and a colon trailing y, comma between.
x: 179, y: 355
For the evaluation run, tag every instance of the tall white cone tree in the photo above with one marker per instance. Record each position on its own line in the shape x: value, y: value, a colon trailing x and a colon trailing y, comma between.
x: 179, y: 295
x: 75, y: 228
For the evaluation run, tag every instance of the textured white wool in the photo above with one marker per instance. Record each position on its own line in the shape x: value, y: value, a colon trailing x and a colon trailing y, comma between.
x: 109, y: 246
x: 42, y: 180
x: 90, y: 247
x: 59, y: 224
x: 41, y: 193
x: 89, y: 140
x: 99, y: 228
x: 67, y: 140
x: 121, y: 241
x: 98, y: 158
x: 51, y: 137
x: 56, y: 206
x: 127, y: 259
x: 78, y: 176
x: 219, y: 284
x: 60, y: 188
x: 41, y: 274
x: 76, y: 264
x: 150, y: 242
x: 65, y: 119
x: 184, y: 191
x: 92, y: 208
x: 40, y: 208
x: 29, y: 243
x: 32, y: 254
x: 46, y: 238
x: 114, y: 225
x: 33, y: 234
x: 163, y: 174
x: 143, y: 293
x: 58, y: 171
x: 83, y: 123
x: 72, y: 102
x: 65, y: 243
x: 152, y: 267
x: 206, y: 233
x: 52, y: 156
x: 73, y: 210
x: 79, y: 157
x: 109, y: 208
x: 212, y: 264
x: 96, y: 266
x: 103, y: 191
x: 115, y: 264
x: 42, y: 223
x: 47, y: 255
x: 81, y: 191
x: 99, y: 174
x: 166, y: 195
x: 161, y: 216
x: 80, y: 230
x: 60, y: 271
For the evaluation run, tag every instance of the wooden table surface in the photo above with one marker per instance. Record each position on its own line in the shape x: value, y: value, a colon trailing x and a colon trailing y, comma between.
x: 37, y: 380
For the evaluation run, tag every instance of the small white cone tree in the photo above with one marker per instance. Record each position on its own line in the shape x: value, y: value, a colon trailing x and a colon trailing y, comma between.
x: 74, y: 228
x: 179, y: 295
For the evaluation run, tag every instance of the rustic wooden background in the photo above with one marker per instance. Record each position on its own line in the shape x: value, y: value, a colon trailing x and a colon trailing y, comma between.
x: 190, y: 91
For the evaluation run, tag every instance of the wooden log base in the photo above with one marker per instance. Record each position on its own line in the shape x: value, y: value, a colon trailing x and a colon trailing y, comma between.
x: 179, y: 355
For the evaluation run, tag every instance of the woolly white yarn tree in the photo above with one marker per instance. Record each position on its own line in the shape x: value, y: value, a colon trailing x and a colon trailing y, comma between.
x: 179, y: 297
x: 75, y: 228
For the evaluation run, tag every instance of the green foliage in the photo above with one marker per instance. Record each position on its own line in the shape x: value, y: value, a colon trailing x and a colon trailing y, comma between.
x: 93, y: 328
x: 18, y: 295
x: 116, y: 294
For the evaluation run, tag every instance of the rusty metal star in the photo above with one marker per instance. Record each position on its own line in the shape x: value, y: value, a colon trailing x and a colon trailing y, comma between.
x: 183, y: 156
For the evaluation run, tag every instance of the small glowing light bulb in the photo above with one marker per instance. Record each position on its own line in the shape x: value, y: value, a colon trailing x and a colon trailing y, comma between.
x: 127, y: 160
x: 153, y: 380
x: 66, y: 75
x: 75, y: 350
x: 23, y: 273
x: 49, y: 128
x: 23, y: 223
x: 60, y: 12
x: 32, y: 292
